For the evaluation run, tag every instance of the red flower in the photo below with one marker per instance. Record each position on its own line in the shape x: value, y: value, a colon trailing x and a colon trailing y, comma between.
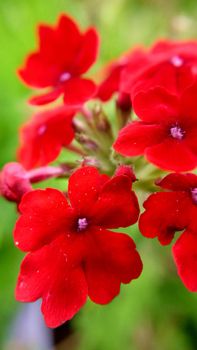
x: 175, y: 210
x: 14, y: 182
x: 166, y: 134
x: 44, y: 136
x: 64, y: 55
x: 112, y: 77
x: 72, y: 252
x: 169, y: 64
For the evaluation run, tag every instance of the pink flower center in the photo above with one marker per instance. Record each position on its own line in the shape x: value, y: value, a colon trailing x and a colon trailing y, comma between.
x: 82, y: 224
x: 194, y: 195
x: 177, y: 61
x: 64, y: 77
x: 176, y: 132
x: 42, y: 129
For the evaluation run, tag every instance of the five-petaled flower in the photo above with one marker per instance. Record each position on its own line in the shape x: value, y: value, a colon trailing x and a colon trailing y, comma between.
x: 63, y: 56
x: 43, y: 137
x: 166, y: 133
x: 175, y: 210
x: 72, y: 253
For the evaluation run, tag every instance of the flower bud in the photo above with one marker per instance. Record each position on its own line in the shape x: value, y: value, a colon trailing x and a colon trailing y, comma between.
x: 14, y: 182
x: 127, y: 171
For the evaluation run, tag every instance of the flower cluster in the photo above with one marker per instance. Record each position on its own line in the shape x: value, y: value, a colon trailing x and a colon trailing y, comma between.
x: 72, y: 249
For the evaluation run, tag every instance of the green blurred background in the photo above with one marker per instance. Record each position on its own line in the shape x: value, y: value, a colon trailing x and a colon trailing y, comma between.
x: 156, y: 311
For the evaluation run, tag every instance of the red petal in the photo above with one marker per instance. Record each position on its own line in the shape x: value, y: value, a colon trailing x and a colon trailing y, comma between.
x: 178, y: 182
x: 156, y: 105
x: 68, y: 41
x: 59, y: 45
x: 65, y: 298
x: 136, y: 137
x: 39, y: 73
x: 77, y: 91
x: 88, y: 53
x: 113, y: 261
x: 46, y: 98
x: 111, y: 83
x: 84, y: 188
x: 172, y: 155
x: 44, y: 215
x: 165, y: 214
x: 52, y: 273
x: 185, y: 256
x: 117, y: 205
x: 47, y: 41
x: 188, y: 104
x: 43, y: 137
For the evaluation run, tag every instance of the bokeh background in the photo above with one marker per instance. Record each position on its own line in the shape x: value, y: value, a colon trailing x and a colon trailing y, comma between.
x: 156, y: 311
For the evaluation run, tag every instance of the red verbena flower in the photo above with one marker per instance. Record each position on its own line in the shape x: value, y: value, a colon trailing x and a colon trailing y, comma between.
x: 72, y: 252
x: 170, y: 64
x: 166, y: 133
x: 43, y: 137
x: 112, y: 74
x: 175, y: 210
x: 63, y: 56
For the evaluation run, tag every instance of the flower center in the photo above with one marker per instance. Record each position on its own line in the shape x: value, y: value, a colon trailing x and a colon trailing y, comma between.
x: 177, y: 61
x: 42, y: 129
x: 176, y: 132
x: 194, y: 195
x: 82, y: 224
x: 64, y: 77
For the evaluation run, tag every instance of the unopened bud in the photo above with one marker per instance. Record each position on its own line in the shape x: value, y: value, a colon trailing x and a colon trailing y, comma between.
x: 14, y: 182
x: 100, y: 119
x: 124, y: 107
x: 127, y: 171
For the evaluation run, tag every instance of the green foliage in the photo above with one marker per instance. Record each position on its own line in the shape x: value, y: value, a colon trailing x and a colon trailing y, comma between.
x: 156, y: 311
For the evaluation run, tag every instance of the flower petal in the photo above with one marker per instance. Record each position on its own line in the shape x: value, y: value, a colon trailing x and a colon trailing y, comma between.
x: 53, y: 274
x: 44, y: 136
x: 46, y: 98
x: 77, y: 91
x: 44, y: 215
x: 117, y: 206
x: 65, y: 298
x: 134, y: 138
x: 178, y: 182
x: 38, y: 73
x: 156, y: 105
x: 88, y: 53
x: 166, y: 213
x: 113, y: 260
x: 185, y: 256
x: 188, y: 103
x: 84, y: 188
x: 172, y: 155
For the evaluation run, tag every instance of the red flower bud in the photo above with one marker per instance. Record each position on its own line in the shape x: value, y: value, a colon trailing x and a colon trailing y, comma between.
x: 14, y: 182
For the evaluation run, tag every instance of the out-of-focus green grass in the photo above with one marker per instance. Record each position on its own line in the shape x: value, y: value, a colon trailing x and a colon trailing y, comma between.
x: 155, y: 312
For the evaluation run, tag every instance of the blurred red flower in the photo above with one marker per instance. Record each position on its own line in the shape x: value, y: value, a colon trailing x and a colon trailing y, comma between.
x: 43, y: 137
x: 166, y: 134
x: 63, y: 56
x: 175, y: 210
x: 169, y: 64
x: 72, y: 252
x: 112, y: 77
